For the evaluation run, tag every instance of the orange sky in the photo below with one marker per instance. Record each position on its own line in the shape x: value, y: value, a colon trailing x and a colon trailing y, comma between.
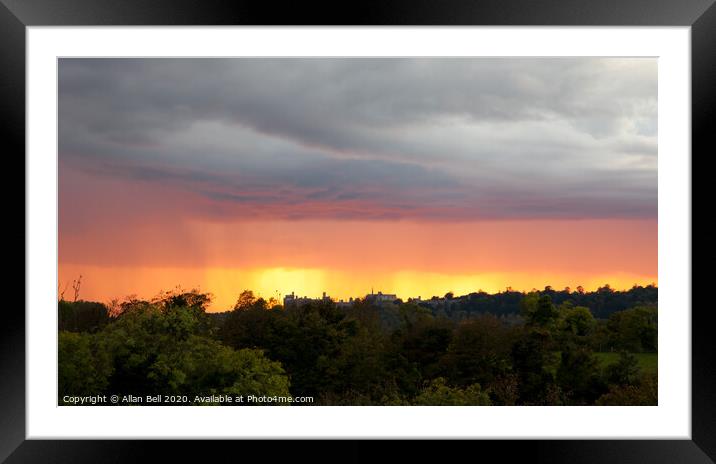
x: 347, y: 258
x: 127, y: 237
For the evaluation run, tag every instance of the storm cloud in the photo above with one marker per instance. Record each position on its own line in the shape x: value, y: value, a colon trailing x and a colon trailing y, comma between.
x: 359, y: 138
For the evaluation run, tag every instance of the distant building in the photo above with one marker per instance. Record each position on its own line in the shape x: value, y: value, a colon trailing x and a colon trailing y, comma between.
x: 293, y: 300
x: 381, y: 297
x: 344, y: 304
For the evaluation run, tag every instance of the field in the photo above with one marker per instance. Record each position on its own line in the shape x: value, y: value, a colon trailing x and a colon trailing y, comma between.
x: 648, y: 362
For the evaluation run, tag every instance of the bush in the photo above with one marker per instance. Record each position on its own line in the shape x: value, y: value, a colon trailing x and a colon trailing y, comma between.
x: 438, y: 393
x: 644, y: 394
x: 84, y: 367
x: 81, y: 316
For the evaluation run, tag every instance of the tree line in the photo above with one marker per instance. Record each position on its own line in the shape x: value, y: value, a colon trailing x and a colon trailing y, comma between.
x: 602, y: 302
x: 399, y: 353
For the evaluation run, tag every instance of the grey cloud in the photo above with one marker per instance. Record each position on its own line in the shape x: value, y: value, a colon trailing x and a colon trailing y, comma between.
x: 432, y: 137
x: 316, y: 98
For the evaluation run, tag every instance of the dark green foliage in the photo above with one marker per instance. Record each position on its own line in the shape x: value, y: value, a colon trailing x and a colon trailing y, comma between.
x: 634, y: 330
x: 82, y: 316
x: 625, y: 371
x: 531, y: 357
x: 505, y: 390
x: 328, y: 353
x: 164, y: 347
x: 438, y: 393
x: 645, y: 393
x: 248, y: 328
x: 601, y: 303
x: 538, y: 310
x: 545, y: 313
x: 423, y: 342
x: 390, y: 353
x: 578, y: 375
x: 479, y: 352
x: 576, y: 322
x: 84, y: 367
x: 178, y: 298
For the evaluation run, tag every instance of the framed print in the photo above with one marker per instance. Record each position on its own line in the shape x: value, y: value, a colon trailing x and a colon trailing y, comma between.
x: 413, y: 222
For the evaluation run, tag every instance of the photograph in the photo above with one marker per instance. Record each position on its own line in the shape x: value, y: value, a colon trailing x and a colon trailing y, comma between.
x: 357, y: 231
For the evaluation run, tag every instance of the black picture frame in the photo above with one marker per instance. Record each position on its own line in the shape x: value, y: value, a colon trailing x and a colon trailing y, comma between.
x: 16, y: 15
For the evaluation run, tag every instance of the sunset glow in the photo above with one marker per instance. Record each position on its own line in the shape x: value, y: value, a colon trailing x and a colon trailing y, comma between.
x: 224, y: 282
x: 285, y: 176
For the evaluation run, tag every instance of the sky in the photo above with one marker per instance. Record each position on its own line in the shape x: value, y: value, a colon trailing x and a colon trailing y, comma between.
x: 414, y: 176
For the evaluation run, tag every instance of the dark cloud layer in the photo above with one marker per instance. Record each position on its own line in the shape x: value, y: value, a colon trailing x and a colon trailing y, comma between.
x: 435, y: 138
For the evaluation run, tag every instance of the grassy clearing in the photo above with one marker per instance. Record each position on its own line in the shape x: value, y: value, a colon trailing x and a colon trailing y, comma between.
x: 648, y: 362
